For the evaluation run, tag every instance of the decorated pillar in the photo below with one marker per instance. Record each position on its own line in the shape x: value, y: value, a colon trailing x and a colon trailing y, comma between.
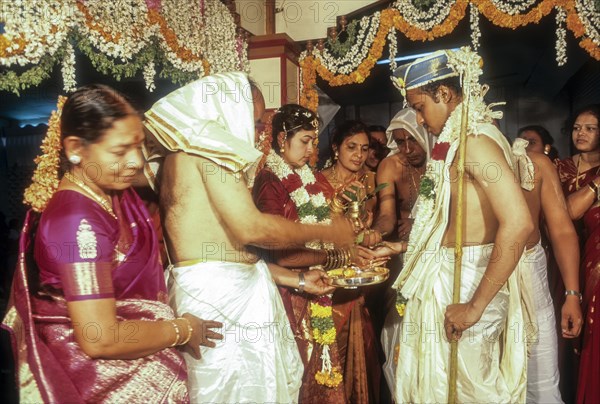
x: 274, y: 66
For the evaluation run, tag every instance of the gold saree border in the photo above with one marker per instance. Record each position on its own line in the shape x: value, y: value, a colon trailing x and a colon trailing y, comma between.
x: 87, y: 278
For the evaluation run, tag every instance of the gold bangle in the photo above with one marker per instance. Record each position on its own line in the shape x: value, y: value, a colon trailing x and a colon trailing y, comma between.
x: 190, y: 330
x: 329, y: 261
x: 177, y: 333
x: 347, y: 257
x: 492, y: 281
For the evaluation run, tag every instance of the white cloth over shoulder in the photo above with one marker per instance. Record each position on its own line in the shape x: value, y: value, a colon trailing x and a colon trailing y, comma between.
x: 212, y: 117
x: 258, y: 359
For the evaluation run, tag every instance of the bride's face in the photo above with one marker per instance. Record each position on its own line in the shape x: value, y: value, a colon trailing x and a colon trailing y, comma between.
x: 299, y: 147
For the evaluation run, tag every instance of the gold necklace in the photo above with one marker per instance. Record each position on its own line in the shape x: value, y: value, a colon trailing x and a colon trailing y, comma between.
x: 337, y: 178
x: 103, y: 202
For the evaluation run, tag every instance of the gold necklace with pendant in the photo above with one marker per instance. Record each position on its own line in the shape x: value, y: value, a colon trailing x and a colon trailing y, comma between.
x: 103, y: 202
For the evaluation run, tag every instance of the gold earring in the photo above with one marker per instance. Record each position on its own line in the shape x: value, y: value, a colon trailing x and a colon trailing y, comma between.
x: 547, y: 149
x: 336, y: 155
x: 282, y: 149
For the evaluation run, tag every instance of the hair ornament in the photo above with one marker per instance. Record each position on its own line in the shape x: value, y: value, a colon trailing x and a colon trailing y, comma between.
x: 45, y: 177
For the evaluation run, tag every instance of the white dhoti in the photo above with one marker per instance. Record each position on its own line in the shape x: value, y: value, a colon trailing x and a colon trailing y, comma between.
x: 257, y: 361
x: 542, y: 371
x: 491, y: 354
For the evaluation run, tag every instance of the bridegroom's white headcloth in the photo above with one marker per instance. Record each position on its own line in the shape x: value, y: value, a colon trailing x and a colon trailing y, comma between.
x: 212, y: 117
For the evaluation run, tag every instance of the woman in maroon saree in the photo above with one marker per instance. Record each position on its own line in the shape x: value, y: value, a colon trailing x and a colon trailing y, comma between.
x: 580, y: 177
x: 88, y: 314
x: 284, y: 187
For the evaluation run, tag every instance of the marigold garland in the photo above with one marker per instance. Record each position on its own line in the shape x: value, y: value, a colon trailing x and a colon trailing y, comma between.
x: 324, y: 333
x: 392, y: 18
x: 501, y: 19
x: 45, y: 177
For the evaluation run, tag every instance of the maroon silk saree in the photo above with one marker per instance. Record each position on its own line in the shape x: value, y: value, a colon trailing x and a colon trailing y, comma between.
x: 588, y: 388
x: 355, y: 350
x: 77, y: 251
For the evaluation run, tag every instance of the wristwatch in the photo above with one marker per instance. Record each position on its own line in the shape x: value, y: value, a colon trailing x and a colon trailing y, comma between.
x: 575, y: 293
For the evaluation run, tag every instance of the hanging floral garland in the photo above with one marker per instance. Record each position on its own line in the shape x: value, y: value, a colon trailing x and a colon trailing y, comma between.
x: 561, y: 37
x: 120, y: 38
x: 429, y: 19
x: 507, y: 14
x: 583, y: 20
x: 312, y: 208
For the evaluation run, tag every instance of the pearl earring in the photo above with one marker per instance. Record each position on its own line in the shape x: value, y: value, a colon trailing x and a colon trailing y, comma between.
x: 75, y: 159
x: 336, y: 155
x: 547, y: 149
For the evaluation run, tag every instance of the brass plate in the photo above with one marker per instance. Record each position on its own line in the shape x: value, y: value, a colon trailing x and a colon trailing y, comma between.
x: 353, y: 277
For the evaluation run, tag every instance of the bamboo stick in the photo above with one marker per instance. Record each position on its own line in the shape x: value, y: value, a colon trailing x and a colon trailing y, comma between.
x: 458, y: 250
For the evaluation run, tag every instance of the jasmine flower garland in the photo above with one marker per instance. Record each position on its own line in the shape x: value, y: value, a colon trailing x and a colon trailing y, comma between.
x: 312, y: 208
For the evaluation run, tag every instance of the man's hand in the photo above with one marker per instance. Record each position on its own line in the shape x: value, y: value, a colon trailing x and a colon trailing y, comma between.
x: 571, y: 319
x: 458, y: 318
x: 370, y: 238
x: 390, y: 248
x: 201, y: 334
x: 317, y: 282
x: 364, y: 257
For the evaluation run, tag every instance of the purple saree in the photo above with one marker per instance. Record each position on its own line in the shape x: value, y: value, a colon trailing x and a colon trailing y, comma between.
x: 82, y: 252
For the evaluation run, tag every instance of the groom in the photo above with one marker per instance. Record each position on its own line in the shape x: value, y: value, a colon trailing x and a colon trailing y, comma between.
x: 491, y: 358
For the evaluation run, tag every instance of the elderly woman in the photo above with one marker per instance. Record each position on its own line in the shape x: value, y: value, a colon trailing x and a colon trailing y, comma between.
x: 88, y: 310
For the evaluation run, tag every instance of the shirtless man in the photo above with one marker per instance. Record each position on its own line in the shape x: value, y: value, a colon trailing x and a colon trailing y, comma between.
x: 547, y: 200
x: 494, y: 238
x: 410, y: 145
x: 209, y: 221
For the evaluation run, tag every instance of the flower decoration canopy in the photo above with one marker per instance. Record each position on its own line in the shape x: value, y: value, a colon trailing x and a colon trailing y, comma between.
x: 514, y: 37
x: 180, y: 40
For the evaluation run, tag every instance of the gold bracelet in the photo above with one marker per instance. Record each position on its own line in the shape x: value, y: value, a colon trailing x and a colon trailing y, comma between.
x: 177, y: 333
x: 329, y: 263
x: 190, y: 330
x: 347, y: 257
x: 492, y: 281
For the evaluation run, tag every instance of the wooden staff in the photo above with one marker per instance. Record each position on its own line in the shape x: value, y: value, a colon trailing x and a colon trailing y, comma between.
x: 458, y: 251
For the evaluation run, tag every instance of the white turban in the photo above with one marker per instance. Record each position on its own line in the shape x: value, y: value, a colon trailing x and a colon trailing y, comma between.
x: 212, y: 118
x: 407, y: 119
